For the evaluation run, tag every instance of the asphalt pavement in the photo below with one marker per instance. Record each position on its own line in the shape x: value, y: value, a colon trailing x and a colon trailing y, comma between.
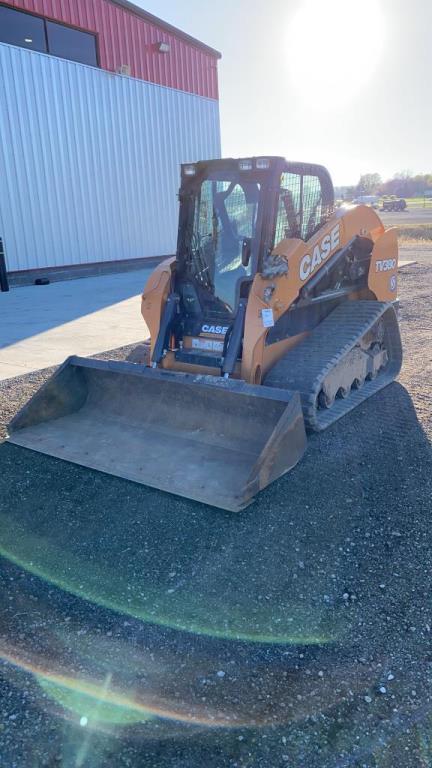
x: 413, y: 216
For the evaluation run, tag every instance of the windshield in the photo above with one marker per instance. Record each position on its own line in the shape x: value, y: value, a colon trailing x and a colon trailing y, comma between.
x: 225, y: 214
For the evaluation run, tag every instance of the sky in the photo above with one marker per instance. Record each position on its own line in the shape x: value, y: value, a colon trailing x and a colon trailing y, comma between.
x: 344, y: 83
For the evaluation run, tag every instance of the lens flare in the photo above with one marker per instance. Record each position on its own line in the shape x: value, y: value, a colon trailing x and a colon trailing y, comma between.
x: 183, y: 606
x: 94, y: 704
x: 98, y: 703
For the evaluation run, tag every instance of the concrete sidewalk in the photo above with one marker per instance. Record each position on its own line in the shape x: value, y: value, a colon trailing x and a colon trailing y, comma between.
x: 41, y: 325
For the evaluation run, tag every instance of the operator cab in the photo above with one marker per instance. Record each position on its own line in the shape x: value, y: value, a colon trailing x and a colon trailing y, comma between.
x: 232, y: 214
x: 221, y: 213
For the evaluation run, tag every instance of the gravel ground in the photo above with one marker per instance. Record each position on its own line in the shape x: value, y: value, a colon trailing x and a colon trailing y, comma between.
x: 15, y: 392
x: 140, y: 629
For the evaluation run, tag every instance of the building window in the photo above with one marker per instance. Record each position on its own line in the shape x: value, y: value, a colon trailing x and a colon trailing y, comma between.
x: 38, y: 34
x: 71, y: 43
x: 22, y: 29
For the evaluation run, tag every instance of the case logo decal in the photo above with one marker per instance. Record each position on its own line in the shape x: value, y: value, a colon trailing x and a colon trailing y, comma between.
x: 219, y: 329
x: 328, y: 244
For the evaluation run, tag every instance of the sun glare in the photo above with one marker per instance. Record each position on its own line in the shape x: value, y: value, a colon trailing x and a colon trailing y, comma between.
x: 334, y: 48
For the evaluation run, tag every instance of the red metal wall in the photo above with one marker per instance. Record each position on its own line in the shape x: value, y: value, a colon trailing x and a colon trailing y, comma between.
x: 126, y: 38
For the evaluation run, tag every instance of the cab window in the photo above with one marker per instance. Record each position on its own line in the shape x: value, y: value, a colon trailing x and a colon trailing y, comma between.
x: 300, y: 207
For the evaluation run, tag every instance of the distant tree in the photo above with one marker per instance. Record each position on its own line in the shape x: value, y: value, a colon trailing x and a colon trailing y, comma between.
x: 344, y: 193
x: 403, y: 184
x: 349, y: 193
x: 406, y: 185
x: 392, y: 187
x: 369, y: 184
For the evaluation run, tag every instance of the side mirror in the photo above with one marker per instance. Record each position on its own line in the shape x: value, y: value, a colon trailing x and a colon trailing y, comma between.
x: 246, y: 250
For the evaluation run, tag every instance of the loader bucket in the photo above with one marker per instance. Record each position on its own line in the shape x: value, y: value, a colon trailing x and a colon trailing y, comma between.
x: 210, y: 439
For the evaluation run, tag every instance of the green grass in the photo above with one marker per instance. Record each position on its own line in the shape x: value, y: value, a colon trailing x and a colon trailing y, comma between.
x: 419, y: 201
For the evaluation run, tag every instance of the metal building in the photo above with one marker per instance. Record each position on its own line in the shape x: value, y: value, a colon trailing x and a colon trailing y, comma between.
x: 100, y: 102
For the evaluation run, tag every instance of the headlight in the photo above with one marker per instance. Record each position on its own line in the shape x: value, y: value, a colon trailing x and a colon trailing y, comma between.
x: 189, y: 170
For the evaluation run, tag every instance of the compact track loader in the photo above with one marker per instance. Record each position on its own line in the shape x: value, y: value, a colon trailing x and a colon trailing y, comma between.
x: 276, y: 316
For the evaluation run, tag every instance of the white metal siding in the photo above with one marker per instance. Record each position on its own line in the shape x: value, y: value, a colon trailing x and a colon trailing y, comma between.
x: 89, y: 161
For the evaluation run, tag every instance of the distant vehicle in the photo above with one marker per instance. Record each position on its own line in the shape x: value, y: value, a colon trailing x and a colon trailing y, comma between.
x: 393, y: 203
x: 372, y: 200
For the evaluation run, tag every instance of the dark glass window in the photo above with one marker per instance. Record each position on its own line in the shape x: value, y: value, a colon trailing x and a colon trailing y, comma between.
x: 71, y: 43
x: 38, y: 34
x: 22, y: 29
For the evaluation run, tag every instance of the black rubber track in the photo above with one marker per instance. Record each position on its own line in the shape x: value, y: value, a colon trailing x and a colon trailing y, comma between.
x: 305, y: 367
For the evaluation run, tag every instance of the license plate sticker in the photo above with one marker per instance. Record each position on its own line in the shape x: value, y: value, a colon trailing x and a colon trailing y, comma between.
x: 208, y: 344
